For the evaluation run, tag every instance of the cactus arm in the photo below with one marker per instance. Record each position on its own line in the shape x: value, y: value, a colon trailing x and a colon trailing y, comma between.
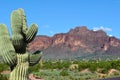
x: 31, y: 33
x: 16, y: 26
x: 24, y: 21
x: 34, y: 58
x: 18, y: 21
x: 6, y: 48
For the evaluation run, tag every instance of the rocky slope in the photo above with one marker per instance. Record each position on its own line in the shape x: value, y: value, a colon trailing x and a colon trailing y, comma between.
x: 77, y: 42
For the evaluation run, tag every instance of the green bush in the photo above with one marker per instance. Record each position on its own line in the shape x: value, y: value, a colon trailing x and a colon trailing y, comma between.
x: 34, y: 68
x: 93, y: 67
x: 64, y: 73
x: 56, y: 65
x: 3, y: 77
x: 3, y: 67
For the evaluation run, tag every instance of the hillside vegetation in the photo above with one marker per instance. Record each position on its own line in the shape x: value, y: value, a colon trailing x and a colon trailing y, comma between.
x: 76, y: 70
x: 71, y: 70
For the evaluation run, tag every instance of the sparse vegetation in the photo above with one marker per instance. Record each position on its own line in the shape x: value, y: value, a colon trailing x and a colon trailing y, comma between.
x: 84, y: 70
x: 3, y: 67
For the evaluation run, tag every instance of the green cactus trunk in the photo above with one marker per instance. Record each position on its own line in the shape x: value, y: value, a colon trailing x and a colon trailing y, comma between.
x: 20, y: 72
x: 14, y: 51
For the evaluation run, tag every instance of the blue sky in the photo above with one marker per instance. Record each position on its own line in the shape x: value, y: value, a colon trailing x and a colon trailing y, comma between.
x: 59, y: 16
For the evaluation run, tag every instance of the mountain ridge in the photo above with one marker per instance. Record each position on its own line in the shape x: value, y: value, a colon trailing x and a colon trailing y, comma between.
x: 79, y: 41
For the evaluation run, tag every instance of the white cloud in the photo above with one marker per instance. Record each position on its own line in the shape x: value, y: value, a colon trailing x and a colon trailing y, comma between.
x: 110, y: 35
x: 102, y: 28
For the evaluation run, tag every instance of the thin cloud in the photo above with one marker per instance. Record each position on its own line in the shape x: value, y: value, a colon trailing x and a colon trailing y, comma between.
x: 102, y: 28
x: 110, y: 35
x: 51, y: 33
x: 48, y: 29
x: 46, y: 26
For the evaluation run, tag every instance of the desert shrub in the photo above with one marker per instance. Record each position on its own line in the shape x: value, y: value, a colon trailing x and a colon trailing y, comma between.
x: 56, y: 65
x: 3, y: 77
x: 3, y: 67
x: 64, y: 73
x: 34, y: 68
x: 71, y: 77
x: 116, y: 74
x: 93, y: 67
x: 103, y: 71
x: 83, y: 65
x: 115, y: 64
x: 47, y: 65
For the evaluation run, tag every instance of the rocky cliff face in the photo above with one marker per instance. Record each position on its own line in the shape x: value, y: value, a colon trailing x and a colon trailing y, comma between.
x: 77, y: 42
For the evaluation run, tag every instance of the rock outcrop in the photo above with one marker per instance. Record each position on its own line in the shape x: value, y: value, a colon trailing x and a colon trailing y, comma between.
x: 77, y: 42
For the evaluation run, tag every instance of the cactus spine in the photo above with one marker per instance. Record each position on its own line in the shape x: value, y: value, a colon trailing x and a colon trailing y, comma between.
x: 15, y: 53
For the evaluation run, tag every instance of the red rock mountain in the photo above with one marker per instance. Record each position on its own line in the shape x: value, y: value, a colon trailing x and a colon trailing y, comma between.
x: 77, y: 42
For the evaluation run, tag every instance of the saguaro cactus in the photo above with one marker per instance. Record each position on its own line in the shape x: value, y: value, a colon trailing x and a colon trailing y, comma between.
x: 14, y: 50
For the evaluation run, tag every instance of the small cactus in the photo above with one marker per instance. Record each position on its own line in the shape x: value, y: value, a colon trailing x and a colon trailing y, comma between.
x: 14, y: 51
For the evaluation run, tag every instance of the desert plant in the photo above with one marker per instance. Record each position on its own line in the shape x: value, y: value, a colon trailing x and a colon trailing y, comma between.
x: 64, y: 73
x: 3, y: 77
x: 14, y: 51
x: 2, y: 68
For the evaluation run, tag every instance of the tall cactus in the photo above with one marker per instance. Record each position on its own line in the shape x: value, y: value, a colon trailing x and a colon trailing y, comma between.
x: 14, y: 51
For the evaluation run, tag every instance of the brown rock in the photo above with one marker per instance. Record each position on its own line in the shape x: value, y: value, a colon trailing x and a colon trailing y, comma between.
x: 77, y: 41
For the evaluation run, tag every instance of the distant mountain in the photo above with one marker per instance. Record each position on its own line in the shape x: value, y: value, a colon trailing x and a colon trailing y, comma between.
x: 77, y: 43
